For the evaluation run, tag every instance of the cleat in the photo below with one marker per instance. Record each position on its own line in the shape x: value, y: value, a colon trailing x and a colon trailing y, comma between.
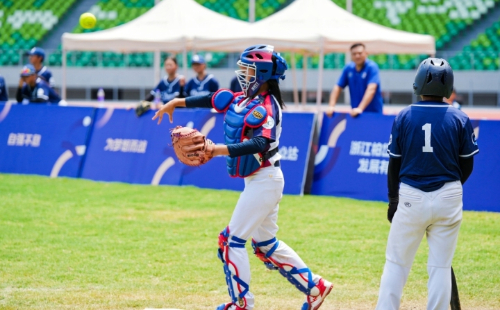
x: 314, y: 302
x: 229, y: 306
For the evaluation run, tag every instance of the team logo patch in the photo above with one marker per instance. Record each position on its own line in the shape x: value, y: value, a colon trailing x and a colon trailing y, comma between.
x: 407, y: 204
x: 269, y: 123
x: 257, y: 114
x: 474, y: 140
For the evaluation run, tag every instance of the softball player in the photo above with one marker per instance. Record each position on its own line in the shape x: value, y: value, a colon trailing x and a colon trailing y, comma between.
x: 37, y: 56
x: 431, y: 147
x: 252, y: 128
x: 202, y: 83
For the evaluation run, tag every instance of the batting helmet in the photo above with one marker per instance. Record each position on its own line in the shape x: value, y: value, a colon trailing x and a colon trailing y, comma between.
x: 434, y: 78
x: 266, y: 65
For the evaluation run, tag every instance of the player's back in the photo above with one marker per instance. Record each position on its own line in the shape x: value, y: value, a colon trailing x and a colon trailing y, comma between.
x: 430, y: 137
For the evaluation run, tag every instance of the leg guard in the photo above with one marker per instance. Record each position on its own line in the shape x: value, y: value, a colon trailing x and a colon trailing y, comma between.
x: 305, y: 284
x: 236, y: 287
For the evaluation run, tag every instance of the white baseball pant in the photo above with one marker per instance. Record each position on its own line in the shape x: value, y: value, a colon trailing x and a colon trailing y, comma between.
x: 256, y: 215
x: 437, y: 214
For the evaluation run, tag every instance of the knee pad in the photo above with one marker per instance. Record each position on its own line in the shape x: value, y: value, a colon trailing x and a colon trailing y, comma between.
x: 295, y: 276
x: 236, y: 287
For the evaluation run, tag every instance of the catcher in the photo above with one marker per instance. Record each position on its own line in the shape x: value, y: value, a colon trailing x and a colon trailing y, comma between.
x: 252, y: 128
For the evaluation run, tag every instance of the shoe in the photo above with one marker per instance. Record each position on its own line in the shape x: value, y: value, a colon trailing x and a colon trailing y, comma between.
x: 228, y: 306
x: 314, y: 302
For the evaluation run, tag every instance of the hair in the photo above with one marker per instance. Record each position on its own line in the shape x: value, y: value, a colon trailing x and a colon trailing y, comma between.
x: 274, y: 87
x: 171, y: 58
x: 432, y: 98
x: 356, y: 45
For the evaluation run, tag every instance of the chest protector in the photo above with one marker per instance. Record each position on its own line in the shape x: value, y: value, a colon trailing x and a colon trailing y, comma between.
x: 241, y: 117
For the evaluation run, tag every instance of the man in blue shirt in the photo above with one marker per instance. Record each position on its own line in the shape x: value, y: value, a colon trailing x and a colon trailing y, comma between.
x: 202, y: 84
x: 362, y: 77
x: 431, y: 150
x: 3, y: 90
x: 37, y: 56
x: 33, y: 90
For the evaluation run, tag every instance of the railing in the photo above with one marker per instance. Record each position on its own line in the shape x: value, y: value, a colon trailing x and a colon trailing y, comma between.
x: 459, y: 60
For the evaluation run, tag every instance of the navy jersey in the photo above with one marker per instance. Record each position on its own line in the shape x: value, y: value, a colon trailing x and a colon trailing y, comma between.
x: 45, y: 74
x: 3, y: 90
x: 168, y: 89
x: 358, y: 82
x: 196, y: 87
x: 430, y: 137
x: 41, y: 93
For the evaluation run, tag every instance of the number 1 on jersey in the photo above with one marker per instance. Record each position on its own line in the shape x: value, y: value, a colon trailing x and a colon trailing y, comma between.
x: 427, y: 148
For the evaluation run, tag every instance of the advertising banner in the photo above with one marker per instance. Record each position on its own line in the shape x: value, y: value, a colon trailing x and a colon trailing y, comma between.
x: 43, y: 139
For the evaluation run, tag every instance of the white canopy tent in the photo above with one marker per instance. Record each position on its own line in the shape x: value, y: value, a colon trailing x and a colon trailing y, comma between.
x: 170, y: 26
x: 318, y: 27
x: 305, y: 26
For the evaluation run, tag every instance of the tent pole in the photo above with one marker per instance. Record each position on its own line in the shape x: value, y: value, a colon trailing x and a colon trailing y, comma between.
x: 251, y: 11
x: 157, y: 69
x: 184, y: 61
x: 294, y: 78
x: 319, y: 92
x: 304, y: 79
x: 63, y: 86
x: 347, y: 97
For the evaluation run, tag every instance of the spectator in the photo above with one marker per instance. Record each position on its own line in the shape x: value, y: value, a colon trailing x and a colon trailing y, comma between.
x: 203, y: 83
x: 172, y: 85
x: 37, y: 56
x: 451, y: 101
x: 362, y: 77
x: 33, y: 89
x: 4, y: 96
x: 235, y: 86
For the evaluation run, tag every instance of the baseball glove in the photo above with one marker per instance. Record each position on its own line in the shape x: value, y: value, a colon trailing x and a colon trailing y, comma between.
x: 191, y: 146
x: 142, y: 108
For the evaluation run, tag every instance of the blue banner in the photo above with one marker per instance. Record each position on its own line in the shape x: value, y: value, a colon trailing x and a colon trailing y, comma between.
x: 482, y: 190
x: 294, y: 147
x: 43, y: 139
x: 352, y: 160
x: 127, y: 148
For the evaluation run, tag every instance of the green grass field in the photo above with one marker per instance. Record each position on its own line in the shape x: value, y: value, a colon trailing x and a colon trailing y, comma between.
x: 77, y: 244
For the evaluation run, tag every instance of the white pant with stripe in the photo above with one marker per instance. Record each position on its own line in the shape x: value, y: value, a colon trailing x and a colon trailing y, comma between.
x: 256, y: 215
x: 436, y: 214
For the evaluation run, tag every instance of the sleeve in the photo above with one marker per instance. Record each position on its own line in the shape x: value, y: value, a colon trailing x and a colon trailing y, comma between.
x: 214, y: 85
x: 187, y: 88
x: 252, y: 146
x: 343, y: 81
x: 3, y: 91
x: 468, y: 143
x: 153, y: 91
x: 200, y: 101
x: 19, y: 94
x: 394, y: 148
x: 373, y: 74
x: 393, y: 177
x: 466, y: 166
x: 53, y: 96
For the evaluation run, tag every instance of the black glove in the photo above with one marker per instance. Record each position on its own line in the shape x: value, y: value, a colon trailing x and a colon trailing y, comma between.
x: 142, y: 108
x: 393, y: 207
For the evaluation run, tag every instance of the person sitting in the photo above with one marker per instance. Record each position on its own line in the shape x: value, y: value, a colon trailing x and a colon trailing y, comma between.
x: 32, y: 89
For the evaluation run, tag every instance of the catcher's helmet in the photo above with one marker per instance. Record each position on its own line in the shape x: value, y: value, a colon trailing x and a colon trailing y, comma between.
x: 434, y: 78
x: 266, y: 63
